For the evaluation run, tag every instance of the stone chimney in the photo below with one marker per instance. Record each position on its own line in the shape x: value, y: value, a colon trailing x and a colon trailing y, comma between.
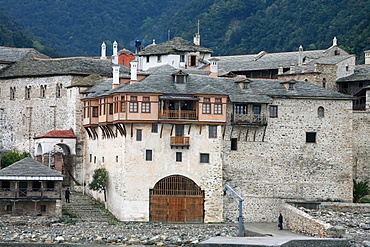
x: 115, y: 76
x: 133, y: 64
x: 300, y: 56
x: 280, y: 70
x: 115, y: 51
x: 103, y: 51
x: 292, y: 69
x: 304, y: 68
x: 367, y: 57
x: 214, y: 66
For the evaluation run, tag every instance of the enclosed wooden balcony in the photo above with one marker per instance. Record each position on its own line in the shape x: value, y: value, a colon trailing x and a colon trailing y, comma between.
x: 179, y: 114
x: 180, y: 141
x: 30, y: 194
x: 245, y: 119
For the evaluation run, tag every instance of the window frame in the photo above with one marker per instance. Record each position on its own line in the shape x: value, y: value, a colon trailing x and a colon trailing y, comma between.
x: 273, y: 111
x: 311, y: 137
x: 204, y: 158
x: 206, y: 106
x: 154, y: 128
x: 217, y: 108
x: 178, y: 156
x: 148, y: 155
x: 139, y: 135
x: 234, y: 144
x: 212, y: 131
x: 133, y: 105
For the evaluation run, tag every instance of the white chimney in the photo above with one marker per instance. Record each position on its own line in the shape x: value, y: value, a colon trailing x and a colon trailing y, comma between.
x: 196, y: 39
x: 115, y: 51
x: 335, y: 41
x: 300, y: 56
x: 103, y: 51
x: 133, y: 64
x: 304, y: 68
x: 214, y: 66
x: 316, y: 67
x: 367, y: 57
x: 280, y: 70
x: 292, y: 69
x: 115, y: 75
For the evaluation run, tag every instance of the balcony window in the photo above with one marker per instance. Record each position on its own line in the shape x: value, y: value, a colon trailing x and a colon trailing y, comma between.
x: 241, y: 109
x: 5, y: 185
x: 206, y: 106
x: 94, y: 111
x: 133, y: 104
x: 218, y: 106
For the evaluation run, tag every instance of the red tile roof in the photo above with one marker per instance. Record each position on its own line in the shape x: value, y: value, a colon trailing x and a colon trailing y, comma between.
x: 57, y: 134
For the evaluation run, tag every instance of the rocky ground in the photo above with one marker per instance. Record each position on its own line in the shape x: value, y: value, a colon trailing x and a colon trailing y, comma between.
x: 356, y: 224
x: 51, y: 230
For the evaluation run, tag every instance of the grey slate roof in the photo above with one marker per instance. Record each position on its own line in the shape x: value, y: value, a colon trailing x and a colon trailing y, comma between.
x: 361, y: 73
x: 29, y: 169
x: 12, y: 55
x: 173, y: 46
x: 275, y: 88
x: 31, y: 66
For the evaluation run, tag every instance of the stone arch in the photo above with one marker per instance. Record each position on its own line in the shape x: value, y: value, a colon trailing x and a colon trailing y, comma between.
x: 176, y: 198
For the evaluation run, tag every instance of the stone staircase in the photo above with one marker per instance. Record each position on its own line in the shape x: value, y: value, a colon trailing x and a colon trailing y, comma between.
x: 85, y: 208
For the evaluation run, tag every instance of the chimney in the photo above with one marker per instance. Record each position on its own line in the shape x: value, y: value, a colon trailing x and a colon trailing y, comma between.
x: 280, y: 70
x: 115, y: 51
x: 214, y: 66
x: 196, y: 39
x: 316, y: 67
x: 292, y: 69
x: 300, y: 56
x: 115, y: 76
x: 103, y: 51
x: 304, y: 68
x: 367, y: 57
x: 335, y: 41
x: 133, y: 71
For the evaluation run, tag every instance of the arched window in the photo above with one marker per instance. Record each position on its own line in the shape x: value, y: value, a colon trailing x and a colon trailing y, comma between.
x: 320, y: 112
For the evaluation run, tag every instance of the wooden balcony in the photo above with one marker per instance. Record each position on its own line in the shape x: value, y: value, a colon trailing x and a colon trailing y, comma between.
x: 30, y: 194
x: 179, y: 114
x: 180, y: 141
x: 245, y: 119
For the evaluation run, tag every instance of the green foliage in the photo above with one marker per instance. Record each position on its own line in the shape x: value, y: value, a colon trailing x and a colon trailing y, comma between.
x: 360, y: 190
x: 100, y: 181
x: 12, y: 157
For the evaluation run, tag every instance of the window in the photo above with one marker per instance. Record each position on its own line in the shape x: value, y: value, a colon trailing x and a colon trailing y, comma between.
x: 311, y: 137
x: 154, y: 128
x: 102, y: 159
x: 58, y: 92
x: 246, y: 85
x: 147, y: 59
x: 291, y: 86
x: 90, y: 157
x: 159, y: 58
x: 133, y: 104
x: 27, y: 92
x: 218, y: 106
x: 43, y: 208
x: 182, y: 58
x: 178, y: 157
x: 148, y: 155
x: 206, y: 106
x: 95, y: 111
x: 256, y: 111
x: 320, y: 112
x: 5, y: 185
x: 145, y: 105
x: 241, y: 109
x: 102, y: 107
x: 139, y: 136
x: 212, y: 131
x: 204, y: 158
x: 42, y: 91
x: 36, y: 185
x: 50, y: 185
x: 180, y: 79
x: 123, y: 104
x: 94, y: 159
x: 12, y: 93
x: 273, y: 111
x: 193, y: 60
x: 234, y: 144
x: 8, y: 208
x: 324, y: 83
x: 110, y: 109
x: 116, y: 158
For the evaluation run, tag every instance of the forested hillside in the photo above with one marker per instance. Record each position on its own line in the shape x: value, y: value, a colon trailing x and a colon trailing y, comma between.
x: 226, y: 26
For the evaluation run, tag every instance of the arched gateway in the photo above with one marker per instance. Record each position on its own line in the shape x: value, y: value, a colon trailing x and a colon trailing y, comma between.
x: 176, y: 199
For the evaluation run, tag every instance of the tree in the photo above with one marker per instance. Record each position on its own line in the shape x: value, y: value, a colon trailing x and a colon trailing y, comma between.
x: 100, y: 181
x: 360, y: 189
x: 12, y: 157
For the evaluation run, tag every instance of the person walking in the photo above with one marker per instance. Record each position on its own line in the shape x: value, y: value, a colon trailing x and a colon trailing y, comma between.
x: 280, y: 222
x: 67, y: 195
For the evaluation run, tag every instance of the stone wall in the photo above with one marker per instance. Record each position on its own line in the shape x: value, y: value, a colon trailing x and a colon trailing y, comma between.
x: 131, y: 176
x: 52, y: 208
x: 361, y: 145
x: 284, y: 166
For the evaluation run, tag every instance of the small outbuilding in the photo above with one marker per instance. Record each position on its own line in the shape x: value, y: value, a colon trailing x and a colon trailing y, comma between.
x: 28, y: 187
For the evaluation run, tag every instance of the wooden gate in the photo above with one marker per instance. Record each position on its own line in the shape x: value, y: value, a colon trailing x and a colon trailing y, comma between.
x: 176, y: 199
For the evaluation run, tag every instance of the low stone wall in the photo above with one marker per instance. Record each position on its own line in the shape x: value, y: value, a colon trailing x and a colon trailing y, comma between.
x: 300, y: 222
x: 346, y: 207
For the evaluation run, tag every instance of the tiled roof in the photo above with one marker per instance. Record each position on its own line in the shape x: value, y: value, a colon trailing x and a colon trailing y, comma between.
x: 173, y: 46
x: 31, y: 66
x: 361, y: 73
x: 29, y: 169
x: 11, y: 54
x: 66, y: 134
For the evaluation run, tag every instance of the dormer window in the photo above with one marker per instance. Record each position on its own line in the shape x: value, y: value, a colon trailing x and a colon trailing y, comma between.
x: 289, y: 85
x: 180, y: 77
x: 246, y: 85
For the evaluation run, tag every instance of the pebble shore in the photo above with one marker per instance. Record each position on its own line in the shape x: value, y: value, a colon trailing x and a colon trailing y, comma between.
x: 48, y: 230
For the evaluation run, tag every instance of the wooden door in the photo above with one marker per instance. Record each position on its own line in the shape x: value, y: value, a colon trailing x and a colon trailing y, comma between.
x: 176, y: 199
